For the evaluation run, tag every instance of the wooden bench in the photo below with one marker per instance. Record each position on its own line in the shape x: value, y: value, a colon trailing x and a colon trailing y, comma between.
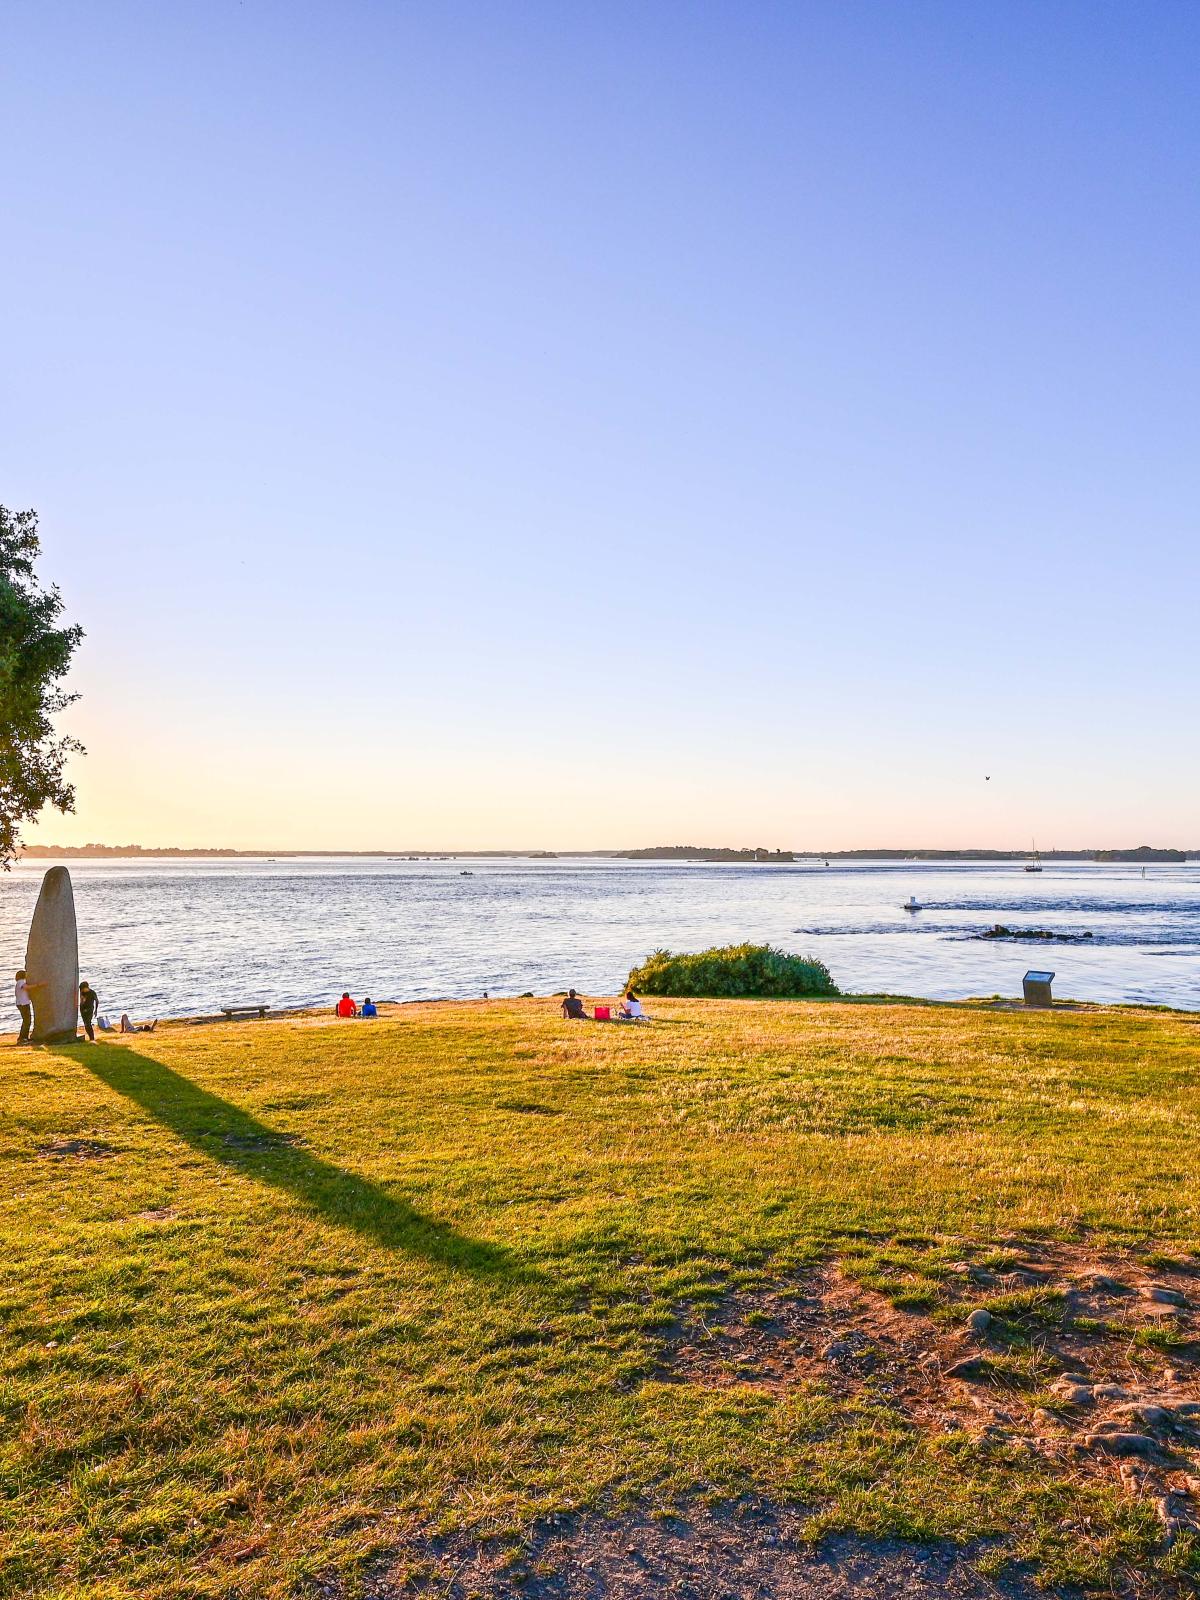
x: 244, y: 1011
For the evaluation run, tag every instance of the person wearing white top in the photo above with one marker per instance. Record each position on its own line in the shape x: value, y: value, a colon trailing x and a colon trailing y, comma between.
x: 24, y: 1005
x: 631, y: 1006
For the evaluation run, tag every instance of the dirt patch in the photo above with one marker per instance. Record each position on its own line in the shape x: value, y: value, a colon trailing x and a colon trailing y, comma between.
x: 1091, y: 1362
x: 743, y: 1552
x: 77, y: 1150
x: 817, y: 1329
x: 1087, y: 1362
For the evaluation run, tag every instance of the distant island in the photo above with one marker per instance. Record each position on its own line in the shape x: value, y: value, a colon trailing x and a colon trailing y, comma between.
x: 697, y: 852
x: 1144, y: 852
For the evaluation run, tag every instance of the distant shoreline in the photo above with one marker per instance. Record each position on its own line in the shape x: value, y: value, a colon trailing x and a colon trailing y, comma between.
x: 693, y: 853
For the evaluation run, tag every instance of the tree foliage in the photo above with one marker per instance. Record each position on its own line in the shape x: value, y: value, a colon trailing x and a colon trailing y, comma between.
x: 35, y: 652
x: 731, y: 972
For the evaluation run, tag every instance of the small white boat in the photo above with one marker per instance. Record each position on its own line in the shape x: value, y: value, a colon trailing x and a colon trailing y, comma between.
x: 912, y: 905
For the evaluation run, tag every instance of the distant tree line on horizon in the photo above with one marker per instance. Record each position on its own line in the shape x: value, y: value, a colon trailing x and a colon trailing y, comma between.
x: 662, y: 852
x: 691, y: 852
x: 698, y: 852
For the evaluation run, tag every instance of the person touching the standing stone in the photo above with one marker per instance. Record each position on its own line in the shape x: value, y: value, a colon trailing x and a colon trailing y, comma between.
x: 24, y: 1004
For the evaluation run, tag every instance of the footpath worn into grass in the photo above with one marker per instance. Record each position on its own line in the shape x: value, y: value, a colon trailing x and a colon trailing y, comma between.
x: 307, y: 1307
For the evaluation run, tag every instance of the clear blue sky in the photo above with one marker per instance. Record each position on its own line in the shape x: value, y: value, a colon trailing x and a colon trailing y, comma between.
x: 538, y: 424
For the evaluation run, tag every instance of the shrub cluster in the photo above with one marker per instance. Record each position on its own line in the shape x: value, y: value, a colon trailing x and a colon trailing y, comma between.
x: 733, y: 971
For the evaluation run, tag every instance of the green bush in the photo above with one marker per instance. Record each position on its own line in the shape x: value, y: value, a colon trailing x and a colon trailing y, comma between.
x: 735, y: 970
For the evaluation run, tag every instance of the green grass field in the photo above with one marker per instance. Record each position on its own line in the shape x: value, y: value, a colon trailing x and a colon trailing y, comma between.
x: 280, y: 1301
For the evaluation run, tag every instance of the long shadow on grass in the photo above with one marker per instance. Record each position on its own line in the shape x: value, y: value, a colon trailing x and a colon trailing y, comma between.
x: 236, y: 1139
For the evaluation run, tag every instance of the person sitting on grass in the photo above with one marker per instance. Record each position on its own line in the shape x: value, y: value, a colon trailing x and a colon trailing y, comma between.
x: 136, y: 1027
x: 572, y: 1007
x: 345, y: 1006
x: 369, y: 1008
x: 631, y: 1007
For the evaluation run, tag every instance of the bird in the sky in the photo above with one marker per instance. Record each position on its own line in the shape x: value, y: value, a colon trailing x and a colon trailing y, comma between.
x: 987, y: 778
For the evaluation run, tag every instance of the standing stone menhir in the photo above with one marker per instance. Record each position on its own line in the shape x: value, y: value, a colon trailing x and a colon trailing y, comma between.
x: 52, y: 960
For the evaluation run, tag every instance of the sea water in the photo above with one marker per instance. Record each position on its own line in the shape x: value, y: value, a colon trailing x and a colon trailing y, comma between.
x: 182, y: 936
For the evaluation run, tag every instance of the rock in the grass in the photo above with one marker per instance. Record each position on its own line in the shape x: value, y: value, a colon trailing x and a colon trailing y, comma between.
x: 1111, y: 1391
x: 969, y: 1369
x: 1187, y: 1410
x: 981, y: 1276
x: 1153, y: 1416
x: 1076, y: 1394
x: 1122, y: 1444
x: 1102, y: 1283
x: 1173, y: 1514
x: 1070, y: 1380
x: 979, y: 1321
x: 1163, y: 1296
x: 851, y: 1347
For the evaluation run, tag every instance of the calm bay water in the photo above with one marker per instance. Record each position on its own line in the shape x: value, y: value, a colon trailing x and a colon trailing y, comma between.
x: 172, y: 938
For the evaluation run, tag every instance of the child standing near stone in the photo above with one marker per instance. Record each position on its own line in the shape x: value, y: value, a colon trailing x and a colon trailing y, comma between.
x: 24, y: 1005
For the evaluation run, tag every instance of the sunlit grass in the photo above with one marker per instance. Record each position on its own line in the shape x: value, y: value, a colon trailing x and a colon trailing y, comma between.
x: 341, y: 1283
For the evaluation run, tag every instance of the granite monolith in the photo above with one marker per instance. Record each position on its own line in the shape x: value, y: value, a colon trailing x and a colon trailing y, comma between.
x: 52, y: 960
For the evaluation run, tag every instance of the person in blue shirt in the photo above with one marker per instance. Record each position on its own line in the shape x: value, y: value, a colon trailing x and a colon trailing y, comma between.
x: 369, y: 1008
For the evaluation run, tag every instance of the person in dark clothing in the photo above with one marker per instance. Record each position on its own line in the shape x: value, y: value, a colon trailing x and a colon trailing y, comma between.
x: 572, y: 1007
x: 89, y: 1003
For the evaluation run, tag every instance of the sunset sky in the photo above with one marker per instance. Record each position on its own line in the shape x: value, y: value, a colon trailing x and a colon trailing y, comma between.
x: 531, y: 425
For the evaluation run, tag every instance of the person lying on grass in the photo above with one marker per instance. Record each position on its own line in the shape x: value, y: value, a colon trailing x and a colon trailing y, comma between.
x: 136, y: 1027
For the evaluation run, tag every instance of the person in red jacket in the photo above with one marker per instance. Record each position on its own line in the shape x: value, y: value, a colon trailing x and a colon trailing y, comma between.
x: 346, y: 1007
